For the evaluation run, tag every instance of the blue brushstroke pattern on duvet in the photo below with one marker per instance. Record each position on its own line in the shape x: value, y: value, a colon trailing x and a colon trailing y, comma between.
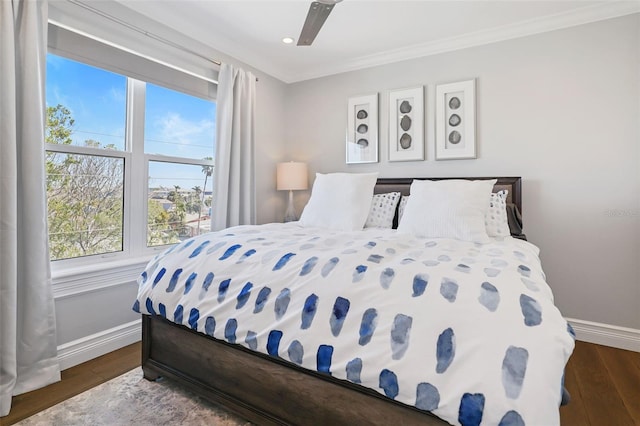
x: 309, y: 311
x: 340, y: 310
x: 188, y: 285
x: 296, y: 352
x: 230, y: 330
x: 273, y: 342
x: 323, y: 358
x: 354, y: 369
x: 427, y: 397
x: 222, y: 290
x: 389, y: 383
x: 251, y: 340
x: 261, y: 300
x: 400, y: 333
x: 471, y: 409
x: 489, y: 296
x: 420, y: 282
x: 230, y: 251
x: 368, y: 325
x: 158, y: 277
x: 445, y: 350
x: 511, y: 418
x: 199, y: 249
x: 514, y: 368
x: 174, y: 280
x: 283, y: 261
x: 308, y: 266
x: 210, y: 326
x: 178, y: 314
x: 194, y: 316
x: 369, y: 313
x: 244, y: 295
x: 531, y: 310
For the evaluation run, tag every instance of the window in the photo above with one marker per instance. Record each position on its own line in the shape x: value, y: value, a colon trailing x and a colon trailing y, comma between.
x: 114, y: 141
x: 180, y: 190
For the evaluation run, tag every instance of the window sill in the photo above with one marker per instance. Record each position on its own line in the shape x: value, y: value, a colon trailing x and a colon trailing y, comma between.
x: 81, y: 279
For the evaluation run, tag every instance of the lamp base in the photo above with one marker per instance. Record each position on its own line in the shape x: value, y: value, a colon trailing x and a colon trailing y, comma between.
x: 290, y: 214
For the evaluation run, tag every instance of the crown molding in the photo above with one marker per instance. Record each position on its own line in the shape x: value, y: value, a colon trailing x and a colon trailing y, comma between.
x: 558, y: 21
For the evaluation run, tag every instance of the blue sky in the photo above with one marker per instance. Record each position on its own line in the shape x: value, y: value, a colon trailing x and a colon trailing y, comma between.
x: 175, y: 124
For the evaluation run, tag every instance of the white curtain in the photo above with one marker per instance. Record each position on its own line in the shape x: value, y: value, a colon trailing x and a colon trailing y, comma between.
x: 234, y: 171
x: 28, y: 353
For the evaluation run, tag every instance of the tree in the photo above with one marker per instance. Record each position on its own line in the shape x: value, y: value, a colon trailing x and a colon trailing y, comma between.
x: 208, y: 171
x: 85, y: 195
x: 159, y: 226
x: 59, y: 125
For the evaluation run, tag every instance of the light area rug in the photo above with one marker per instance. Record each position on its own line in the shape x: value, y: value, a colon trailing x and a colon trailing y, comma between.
x: 130, y: 399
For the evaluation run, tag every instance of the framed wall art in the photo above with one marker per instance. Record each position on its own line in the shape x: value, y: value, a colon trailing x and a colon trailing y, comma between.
x: 456, y: 120
x: 362, y: 129
x: 406, y: 124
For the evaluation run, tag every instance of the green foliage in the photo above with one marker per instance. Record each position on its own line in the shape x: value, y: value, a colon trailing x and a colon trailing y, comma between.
x: 84, y: 204
x: 59, y: 125
x: 85, y: 196
x: 160, y: 230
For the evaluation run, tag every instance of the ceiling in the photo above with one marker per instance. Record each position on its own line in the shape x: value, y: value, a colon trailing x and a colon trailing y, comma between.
x: 363, y: 33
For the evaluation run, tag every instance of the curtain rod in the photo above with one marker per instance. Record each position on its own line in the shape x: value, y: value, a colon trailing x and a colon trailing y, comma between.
x: 142, y: 31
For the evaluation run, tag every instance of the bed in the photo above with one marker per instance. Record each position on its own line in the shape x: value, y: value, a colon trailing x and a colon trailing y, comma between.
x: 268, y: 377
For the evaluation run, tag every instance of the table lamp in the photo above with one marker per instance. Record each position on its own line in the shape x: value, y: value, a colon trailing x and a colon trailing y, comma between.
x: 291, y: 176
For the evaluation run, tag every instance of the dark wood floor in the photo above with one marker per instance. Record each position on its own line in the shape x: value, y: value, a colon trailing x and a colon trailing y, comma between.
x: 75, y: 380
x: 604, y: 384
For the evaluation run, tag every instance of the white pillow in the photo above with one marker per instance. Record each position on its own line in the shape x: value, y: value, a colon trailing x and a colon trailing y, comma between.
x: 452, y: 208
x: 383, y: 210
x: 339, y: 201
x: 496, y: 220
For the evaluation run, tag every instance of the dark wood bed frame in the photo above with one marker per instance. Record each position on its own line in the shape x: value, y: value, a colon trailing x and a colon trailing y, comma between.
x: 268, y: 390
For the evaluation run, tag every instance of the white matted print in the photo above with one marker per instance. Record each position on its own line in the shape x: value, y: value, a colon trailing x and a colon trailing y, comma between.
x: 456, y: 120
x: 362, y: 129
x: 406, y: 125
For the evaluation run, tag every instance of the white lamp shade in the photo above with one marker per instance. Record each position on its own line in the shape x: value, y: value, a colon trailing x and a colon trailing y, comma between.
x: 292, y: 176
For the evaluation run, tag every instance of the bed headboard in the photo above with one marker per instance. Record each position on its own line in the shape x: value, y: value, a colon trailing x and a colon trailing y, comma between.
x: 512, y: 184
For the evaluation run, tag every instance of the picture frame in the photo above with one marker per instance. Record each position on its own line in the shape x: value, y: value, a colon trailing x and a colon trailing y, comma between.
x: 456, y: 120
x: 362, y: 129
x: 406, y: 124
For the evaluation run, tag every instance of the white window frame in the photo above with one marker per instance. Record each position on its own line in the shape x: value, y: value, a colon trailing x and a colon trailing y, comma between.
x: 135, y: 198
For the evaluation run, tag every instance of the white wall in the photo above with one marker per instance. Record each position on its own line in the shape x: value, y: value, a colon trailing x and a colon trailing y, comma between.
x: 560, y: 109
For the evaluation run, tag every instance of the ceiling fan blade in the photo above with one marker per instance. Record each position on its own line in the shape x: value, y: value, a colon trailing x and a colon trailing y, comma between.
x: 318, y: 13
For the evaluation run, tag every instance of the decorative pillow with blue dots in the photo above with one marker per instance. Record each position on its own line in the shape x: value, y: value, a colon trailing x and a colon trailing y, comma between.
x: 467, y: 331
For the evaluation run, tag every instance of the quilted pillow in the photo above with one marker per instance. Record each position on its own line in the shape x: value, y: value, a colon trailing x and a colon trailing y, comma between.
x: 382, y: 210
x: 448, y: 209
x: 496, y: 217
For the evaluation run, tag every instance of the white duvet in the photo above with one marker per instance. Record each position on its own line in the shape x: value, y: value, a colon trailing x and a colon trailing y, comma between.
x: 466, y: 331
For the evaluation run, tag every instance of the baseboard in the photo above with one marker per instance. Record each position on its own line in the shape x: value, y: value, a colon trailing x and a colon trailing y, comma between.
x: 95, y: 345
x: 605, y: 334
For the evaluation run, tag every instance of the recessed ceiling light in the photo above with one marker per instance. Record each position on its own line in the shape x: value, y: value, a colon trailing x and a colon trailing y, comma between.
x: 287, y: 40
